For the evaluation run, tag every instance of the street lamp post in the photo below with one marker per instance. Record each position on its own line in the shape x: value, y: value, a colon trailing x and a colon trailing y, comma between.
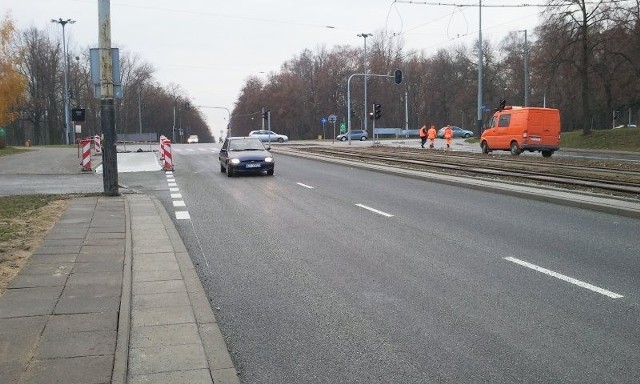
x: 526, y: 69
x: 228, y: 114
x: 365, y: 35
x: 67, y: 126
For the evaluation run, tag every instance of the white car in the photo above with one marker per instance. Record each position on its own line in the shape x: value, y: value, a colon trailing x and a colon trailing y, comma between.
x: 265, y: 135
x: 193, y: 139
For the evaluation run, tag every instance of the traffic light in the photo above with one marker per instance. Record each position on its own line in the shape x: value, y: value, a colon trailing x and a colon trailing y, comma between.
x: 397, y: 76
x: 377, y: 111
x: 616, y: 115
x: 265, y: 114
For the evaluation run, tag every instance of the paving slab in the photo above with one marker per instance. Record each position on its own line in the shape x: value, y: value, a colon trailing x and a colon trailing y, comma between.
x: 76, y: 344
x: 161, y: 300
x: 161, y: 316
x: 166, y: 359
x: 163, y: 286
x: 78, y: 370
x: 172, y: 334
x: 83, y: 322
x: 71, y: 305
x: 199, y: 376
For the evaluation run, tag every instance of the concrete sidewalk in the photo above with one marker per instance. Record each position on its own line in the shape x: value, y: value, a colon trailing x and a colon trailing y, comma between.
x: 111, y: 296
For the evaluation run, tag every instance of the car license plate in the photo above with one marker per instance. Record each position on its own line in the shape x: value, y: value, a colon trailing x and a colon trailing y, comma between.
x: 253, y: 165
x: 535, y: 138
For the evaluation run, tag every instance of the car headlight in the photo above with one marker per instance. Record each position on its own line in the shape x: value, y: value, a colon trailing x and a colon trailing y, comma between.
x: 268, y: 159
x: 235, y: 161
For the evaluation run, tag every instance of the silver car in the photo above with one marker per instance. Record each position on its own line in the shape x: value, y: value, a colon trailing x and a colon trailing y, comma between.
x: 270, y: 136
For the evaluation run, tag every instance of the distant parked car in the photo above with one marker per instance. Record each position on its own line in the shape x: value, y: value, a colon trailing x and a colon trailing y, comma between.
x: 245, y: 155
x: 193, y: 139
x: 271, y: 136
x: 457, y: 132
x: 355, y: 135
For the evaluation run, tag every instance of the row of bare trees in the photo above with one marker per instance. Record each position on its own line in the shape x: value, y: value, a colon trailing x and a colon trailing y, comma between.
x: 38, y: 114
x: 584, y: 59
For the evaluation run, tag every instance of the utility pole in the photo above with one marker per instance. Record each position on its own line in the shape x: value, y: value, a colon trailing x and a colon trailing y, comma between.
x: 479, y: 127
x: 366, y: 117
x: 526, y: 70
x: 107, y: 110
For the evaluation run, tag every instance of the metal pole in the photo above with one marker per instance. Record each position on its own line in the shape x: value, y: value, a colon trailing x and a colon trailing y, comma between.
x: 68, y: 128
x: 68, y: 131
x: 479, y: 126
x: 406, y: 110
x: 349, y: 107
x: 173, y: 128
x: 365, y: 35
x: 526, y: 70
x: 139, y: 111
x: 107, y: 110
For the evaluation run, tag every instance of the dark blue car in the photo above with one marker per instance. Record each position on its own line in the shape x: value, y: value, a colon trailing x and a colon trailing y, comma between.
x: 245, y: 155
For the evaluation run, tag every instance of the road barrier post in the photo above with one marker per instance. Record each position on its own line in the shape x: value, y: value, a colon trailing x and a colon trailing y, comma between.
x: 86, y: 154
x: 97, y: 144
x: 168, y: 161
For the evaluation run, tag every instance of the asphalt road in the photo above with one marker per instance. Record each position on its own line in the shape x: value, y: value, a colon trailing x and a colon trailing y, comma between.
x: 330, y: 274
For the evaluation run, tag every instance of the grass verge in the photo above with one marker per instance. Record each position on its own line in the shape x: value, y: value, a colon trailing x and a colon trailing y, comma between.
x: 24, y: 222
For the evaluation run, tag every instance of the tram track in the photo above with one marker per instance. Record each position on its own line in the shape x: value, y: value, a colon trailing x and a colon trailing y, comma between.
x: 602, y: 176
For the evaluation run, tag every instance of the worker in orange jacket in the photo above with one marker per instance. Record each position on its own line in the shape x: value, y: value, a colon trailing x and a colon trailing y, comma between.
x: 448, y: 135
x: 431, y: 135
x: 423, y: 135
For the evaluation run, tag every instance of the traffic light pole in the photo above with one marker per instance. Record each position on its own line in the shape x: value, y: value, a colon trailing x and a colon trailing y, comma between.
x: 349, y: 97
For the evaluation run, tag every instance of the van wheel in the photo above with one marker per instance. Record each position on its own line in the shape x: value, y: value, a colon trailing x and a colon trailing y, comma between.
x: 547, y: 153
x: 514, y: 148
x: 485, y: 147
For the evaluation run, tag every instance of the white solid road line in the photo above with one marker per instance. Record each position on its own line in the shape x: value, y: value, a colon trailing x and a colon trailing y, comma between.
x: 568, y: 279
x: 374, y: 210
x: 304, y: 185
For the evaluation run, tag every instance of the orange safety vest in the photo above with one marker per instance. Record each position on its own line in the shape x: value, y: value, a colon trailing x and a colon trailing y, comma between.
x: 448, y: 133
x: 423, y: 131
x: 432, y: 133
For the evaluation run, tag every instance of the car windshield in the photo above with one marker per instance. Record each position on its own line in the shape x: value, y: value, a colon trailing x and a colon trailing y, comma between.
x: 246, y: 145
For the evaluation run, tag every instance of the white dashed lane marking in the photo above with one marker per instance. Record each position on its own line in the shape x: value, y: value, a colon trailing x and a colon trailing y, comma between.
x: 176, y: 197
x: 562, y: 277
x: 374, y: 210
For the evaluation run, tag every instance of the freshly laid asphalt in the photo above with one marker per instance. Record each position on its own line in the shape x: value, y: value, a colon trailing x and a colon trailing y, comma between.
x: 111, y: 295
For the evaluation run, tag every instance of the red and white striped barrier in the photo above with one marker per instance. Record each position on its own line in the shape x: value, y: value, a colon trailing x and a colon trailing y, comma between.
x: 167, y: 164
x: 97, y: 144
x: 86, y: 154
x: 162, y: 141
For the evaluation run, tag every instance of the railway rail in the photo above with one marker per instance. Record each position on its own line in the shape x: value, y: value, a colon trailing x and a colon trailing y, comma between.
x: 602, y: 176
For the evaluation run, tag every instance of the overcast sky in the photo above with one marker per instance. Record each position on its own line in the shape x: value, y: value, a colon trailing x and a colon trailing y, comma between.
x: 210, y: 47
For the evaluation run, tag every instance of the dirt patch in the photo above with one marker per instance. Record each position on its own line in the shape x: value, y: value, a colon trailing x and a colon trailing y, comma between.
x: 29, y: 230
